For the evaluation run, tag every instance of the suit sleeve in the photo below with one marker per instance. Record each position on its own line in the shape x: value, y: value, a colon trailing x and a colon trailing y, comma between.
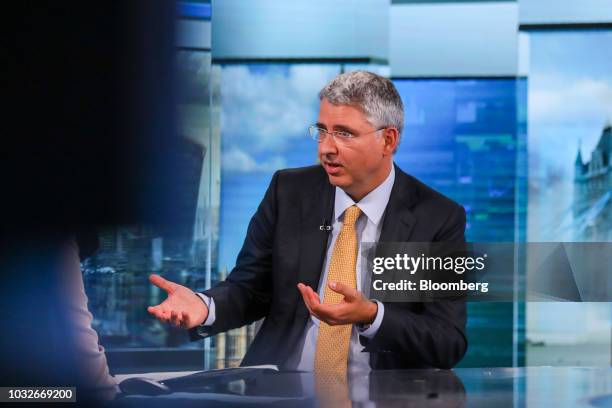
x: 433, y: 333
x: 244, y: 296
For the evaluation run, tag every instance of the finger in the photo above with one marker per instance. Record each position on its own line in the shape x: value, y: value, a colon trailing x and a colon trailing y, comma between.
x: 166, y: 316
x: 304, y: 291
x: 174, y: 318
x: 155, y: 311
x: 315, y: 306
x: 313, y: 301
x: 313, y: 297
x: 156, y: 308
x: 179, y: 319
x: 185, y: 319
x: 350, y: 293
x: 162, y: 283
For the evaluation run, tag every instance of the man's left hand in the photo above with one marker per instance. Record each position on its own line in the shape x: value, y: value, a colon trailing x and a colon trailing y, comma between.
x: 354, y: 308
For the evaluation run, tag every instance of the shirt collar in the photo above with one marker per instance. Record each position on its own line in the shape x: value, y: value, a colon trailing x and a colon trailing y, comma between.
x: 372, y: 205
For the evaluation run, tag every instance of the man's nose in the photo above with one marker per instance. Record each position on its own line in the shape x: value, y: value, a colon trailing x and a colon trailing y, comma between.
x: 327, y: 145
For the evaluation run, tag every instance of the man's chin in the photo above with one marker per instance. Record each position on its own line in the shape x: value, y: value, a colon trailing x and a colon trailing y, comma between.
x: 337, y: 180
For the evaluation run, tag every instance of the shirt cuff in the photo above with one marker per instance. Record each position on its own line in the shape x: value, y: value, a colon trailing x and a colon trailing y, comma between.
x: 373, y: 329
x: 210, y: 304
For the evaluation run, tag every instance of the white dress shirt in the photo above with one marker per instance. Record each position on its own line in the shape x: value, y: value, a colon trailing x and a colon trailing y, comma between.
x: 368, y: 226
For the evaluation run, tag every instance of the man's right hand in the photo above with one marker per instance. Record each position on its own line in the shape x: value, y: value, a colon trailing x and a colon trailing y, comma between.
x: 182, y: 308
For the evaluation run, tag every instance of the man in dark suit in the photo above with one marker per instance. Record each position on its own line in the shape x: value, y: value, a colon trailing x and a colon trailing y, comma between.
x: 307, y: 233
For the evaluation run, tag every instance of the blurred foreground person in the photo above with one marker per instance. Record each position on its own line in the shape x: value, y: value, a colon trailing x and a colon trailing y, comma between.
x: 91, y: 122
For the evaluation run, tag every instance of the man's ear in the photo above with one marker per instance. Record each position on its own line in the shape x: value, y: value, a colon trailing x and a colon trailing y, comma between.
x: 391, y: 140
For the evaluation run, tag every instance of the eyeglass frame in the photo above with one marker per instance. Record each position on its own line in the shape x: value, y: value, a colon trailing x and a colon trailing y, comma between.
x: 335, y: 134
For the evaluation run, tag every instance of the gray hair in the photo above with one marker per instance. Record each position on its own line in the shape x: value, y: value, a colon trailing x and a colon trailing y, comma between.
x: 376, y: 96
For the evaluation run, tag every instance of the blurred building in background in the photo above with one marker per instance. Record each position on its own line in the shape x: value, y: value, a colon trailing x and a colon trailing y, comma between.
x: 593, y: 191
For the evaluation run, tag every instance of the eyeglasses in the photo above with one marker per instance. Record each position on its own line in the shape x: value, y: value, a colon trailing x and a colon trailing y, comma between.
x: 318, y: 134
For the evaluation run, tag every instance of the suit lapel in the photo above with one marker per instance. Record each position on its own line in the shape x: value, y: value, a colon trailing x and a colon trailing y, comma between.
x: 399, y: 219
x: 317, y: 209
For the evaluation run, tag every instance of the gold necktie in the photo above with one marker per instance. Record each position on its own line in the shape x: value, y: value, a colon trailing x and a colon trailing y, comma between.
x: 331, y: 355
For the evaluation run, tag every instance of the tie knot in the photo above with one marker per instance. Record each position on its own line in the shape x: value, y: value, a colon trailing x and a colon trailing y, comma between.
x: 351, y: 214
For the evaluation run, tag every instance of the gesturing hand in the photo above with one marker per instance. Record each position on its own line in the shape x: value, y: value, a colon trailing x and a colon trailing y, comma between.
x: 354, y: 308
x: 182, y: 308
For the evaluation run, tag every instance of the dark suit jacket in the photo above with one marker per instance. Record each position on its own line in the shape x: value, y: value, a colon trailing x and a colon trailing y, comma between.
x: 284, y: 246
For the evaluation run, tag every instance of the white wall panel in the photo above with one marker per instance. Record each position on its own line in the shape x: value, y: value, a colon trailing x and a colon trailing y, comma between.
x: 300, y: 28
x: 450, y: 39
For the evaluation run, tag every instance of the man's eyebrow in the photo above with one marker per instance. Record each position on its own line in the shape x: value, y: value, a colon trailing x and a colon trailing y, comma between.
x: 338, y: 128
x: 343, y: 128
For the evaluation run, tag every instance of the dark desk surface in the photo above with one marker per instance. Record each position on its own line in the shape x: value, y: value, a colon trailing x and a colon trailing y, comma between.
x: 473, y: 387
